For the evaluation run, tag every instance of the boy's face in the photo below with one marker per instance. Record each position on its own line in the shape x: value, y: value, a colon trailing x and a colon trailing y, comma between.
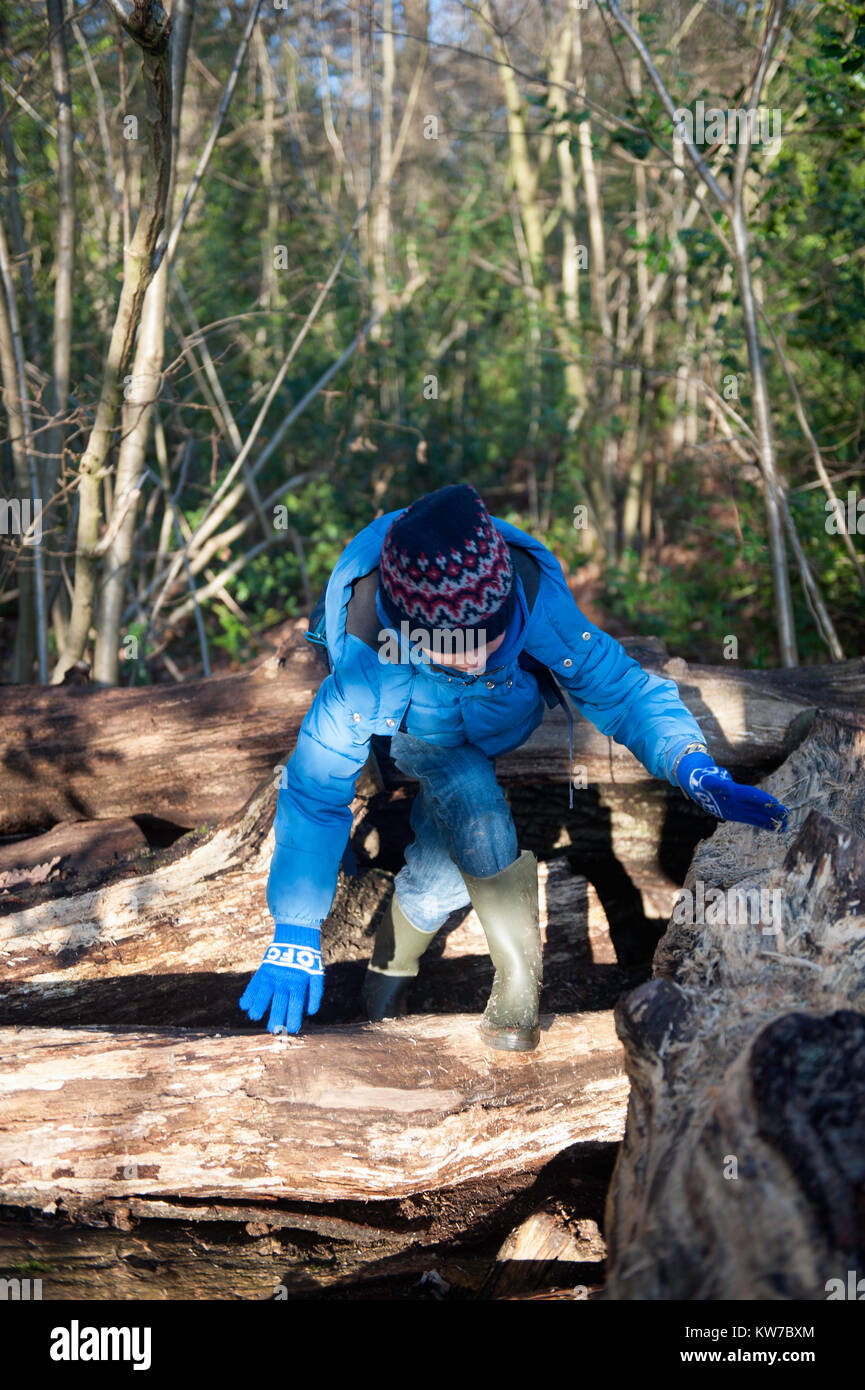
x: 474, y: 658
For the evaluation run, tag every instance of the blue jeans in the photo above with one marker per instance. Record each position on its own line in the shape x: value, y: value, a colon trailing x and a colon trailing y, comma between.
x: 460, y: 820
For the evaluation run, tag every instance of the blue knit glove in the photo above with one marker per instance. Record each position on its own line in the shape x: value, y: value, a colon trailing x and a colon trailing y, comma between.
x: 289, y: 979
x: 713, y: 788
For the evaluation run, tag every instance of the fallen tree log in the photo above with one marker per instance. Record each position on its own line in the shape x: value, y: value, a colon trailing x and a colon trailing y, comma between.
x: 742, y: 1173
x: 170, y: 938
x: 71, y: 848
x: 153, y: 1248
x: 173, y: 939
x: 369, y: 1112
x: 193, y: 753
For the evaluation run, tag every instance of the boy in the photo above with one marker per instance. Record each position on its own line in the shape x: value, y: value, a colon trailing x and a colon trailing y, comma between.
x: 445, y: 629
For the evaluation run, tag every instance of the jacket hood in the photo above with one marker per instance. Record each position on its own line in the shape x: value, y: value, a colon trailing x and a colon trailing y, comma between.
x: 362, y: 555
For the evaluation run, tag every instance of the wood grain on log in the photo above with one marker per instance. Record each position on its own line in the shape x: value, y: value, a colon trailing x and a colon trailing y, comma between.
x: 155, y: 1248
x: 550, y: 1248
x: 377, y: 1111
x: 741, y: 1175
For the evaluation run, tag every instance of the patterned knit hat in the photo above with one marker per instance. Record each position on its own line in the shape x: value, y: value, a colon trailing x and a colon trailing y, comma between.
x: 444, y: 565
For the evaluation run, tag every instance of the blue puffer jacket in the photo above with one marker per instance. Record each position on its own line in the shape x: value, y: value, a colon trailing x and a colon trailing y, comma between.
x: 364, y: 696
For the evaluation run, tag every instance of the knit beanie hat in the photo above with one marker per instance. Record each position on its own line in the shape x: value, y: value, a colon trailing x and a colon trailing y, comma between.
x: 444, y: 565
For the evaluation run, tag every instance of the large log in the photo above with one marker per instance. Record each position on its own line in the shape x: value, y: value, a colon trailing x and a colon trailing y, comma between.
x: 193, y: 753
x: 170, y: 938
x: 68, y: 850
x: 190, y: 753
x: 180, y: 953
x: 404, y: 1247
x: 742, y: 1173
x: 367, y: 1112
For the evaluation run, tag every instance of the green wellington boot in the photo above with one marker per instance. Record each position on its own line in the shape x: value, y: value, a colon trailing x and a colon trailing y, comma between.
x: 394, y: 964
x: 507, y: 905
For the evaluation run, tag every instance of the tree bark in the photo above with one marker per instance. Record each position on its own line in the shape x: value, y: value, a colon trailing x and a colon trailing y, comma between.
x: 740, y: 1176
x: 149, y: 27
x: 140, y: 398
x: 368, y: 1112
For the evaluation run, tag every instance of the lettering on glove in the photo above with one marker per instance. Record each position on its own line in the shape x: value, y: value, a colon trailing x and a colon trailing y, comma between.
x: 702, y: 795
x: 295, y: 958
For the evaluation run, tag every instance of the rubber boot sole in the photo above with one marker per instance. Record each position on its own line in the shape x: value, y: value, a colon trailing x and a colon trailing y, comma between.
x: 511, y: 1039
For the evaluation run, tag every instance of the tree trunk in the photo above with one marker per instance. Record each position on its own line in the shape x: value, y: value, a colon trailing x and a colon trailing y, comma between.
x: 567, y: 326
x: 65, y: 258
x: 380, y: 223
x: 150, y: 28
x: 31, y: 638
x: 140, y: 398
x: 601, y: 490
x: 741, y: 1175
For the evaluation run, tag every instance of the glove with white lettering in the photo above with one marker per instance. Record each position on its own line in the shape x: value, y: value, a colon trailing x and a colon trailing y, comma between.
x: 290, y: 979
x: 713, y: 788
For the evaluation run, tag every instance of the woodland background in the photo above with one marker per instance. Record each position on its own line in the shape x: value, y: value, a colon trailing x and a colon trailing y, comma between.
x: 398, y: 245
x: 267, y: 270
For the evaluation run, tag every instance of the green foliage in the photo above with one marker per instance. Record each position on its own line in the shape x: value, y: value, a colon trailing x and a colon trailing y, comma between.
x: 502, y: 411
